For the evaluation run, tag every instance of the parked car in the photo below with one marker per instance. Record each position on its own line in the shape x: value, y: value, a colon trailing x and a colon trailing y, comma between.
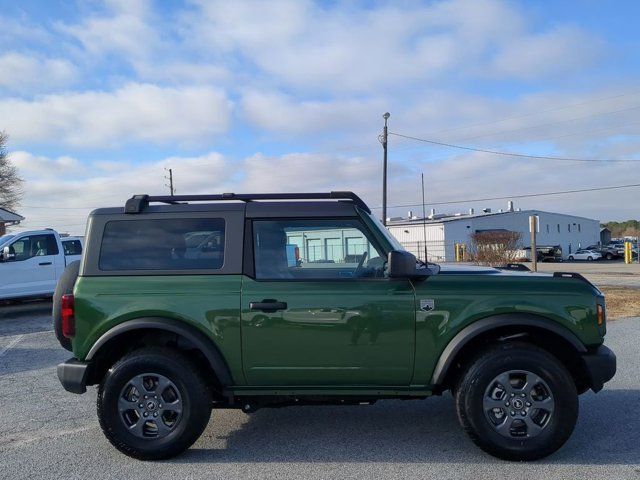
x: 546, y: 253
x: 607, y: 252
x: 584, y: 254
x: 167, y: 338
x: 31, y: 262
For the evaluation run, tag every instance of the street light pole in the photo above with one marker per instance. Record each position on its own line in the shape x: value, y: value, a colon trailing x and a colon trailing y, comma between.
x: 383, y: 140
x: 170, y: 178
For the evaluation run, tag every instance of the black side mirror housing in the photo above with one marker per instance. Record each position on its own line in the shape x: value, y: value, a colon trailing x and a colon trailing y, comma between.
x: 402, y: 264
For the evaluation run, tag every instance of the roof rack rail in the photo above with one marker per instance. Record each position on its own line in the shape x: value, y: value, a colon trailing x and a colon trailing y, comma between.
x: 137, y: 203
x: 577, y: 276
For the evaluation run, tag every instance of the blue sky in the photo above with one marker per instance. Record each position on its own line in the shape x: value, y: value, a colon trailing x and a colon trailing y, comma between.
x: 98, y: 97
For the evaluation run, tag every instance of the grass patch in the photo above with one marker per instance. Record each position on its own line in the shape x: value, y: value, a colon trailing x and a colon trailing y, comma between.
x: 622, y: 302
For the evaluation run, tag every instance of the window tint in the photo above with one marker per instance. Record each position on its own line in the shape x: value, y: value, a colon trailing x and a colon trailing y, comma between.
x: 314, y: 249
x: 164, y: 244
x: 34, y: 246
x: 72, y: 247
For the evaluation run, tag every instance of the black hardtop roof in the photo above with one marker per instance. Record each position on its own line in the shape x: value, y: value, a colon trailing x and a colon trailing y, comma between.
x: 261, y: 204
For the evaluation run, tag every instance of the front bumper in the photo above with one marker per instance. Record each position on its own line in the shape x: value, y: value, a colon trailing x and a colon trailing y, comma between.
x: 73, y: 375
x: 600, y: 367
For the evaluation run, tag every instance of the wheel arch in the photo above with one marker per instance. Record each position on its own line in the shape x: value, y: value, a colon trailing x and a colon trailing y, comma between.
x: 157, y: 330
x: 541, y: 331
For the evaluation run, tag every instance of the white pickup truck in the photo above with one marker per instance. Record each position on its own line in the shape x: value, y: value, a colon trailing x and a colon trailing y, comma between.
x: 31, y: 262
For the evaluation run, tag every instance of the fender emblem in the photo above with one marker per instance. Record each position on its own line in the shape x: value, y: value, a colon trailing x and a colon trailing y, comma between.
x: 427, y: 304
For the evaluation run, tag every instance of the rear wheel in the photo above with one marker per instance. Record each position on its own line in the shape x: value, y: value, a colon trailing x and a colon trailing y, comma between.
x: 153, y: 404
x: 517, y: 402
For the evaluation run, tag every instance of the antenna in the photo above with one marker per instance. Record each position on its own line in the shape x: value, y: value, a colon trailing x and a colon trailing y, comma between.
x: 424, y: 222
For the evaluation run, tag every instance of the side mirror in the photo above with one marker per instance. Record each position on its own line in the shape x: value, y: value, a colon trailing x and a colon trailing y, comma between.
x: 7, y: 255
x: 401, y: 264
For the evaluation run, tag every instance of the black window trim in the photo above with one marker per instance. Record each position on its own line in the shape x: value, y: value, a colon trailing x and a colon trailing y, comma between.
x: 248, y: 260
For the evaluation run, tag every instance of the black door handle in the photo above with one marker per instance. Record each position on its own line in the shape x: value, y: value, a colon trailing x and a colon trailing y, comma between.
x: 268, y: 305
x: 45, y: 263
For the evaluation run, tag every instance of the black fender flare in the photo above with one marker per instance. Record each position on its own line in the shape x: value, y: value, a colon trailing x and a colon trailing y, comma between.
x: 486, y: 324
x: 198, y: 339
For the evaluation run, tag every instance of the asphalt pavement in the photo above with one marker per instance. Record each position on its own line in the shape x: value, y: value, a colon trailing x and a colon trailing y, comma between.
x: 46, y: 432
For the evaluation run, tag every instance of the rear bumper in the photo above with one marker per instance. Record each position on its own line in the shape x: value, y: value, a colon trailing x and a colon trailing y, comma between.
x: 73, y: 375
x: 600, y: 367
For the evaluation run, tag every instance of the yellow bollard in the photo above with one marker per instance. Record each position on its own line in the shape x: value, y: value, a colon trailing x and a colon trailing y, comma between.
x: 627, y: 252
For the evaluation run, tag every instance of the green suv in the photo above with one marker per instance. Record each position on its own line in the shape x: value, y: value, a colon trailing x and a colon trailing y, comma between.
x: 251, y: 301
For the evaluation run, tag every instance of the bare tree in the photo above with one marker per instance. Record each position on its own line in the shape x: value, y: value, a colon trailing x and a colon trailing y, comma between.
x: 10, y: 181
x: 495, y: 248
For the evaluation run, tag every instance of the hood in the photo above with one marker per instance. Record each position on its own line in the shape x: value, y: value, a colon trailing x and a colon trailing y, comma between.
x: 456, y: 269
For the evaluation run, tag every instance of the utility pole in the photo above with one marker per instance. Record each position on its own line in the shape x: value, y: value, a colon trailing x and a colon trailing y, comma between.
x: 170, y: 178
x: 383, y: 139
x: 533, y: 228
x: 424, y: 223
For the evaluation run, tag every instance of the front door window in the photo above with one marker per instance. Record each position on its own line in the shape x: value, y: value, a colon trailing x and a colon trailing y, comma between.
x: 326, y: 249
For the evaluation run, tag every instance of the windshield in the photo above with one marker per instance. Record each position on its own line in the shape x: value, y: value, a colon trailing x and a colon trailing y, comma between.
x: 5, y: 238
x: 395, y: 244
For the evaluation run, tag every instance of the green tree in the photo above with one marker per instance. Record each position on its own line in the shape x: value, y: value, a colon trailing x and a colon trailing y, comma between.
x: 10, y: 181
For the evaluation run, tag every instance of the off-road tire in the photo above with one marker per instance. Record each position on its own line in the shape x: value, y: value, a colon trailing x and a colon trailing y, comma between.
x: 512, y: 356
x: 195, y: 395
x: 64, y: 287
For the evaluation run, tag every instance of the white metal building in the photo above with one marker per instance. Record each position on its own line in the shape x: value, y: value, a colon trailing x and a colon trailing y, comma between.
x: 445, y: 230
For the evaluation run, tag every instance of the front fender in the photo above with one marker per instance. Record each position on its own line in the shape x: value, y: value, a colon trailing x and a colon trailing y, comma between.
x: 479, y: 327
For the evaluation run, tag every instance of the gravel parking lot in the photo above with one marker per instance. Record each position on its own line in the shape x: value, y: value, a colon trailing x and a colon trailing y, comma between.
x: 46, y: 432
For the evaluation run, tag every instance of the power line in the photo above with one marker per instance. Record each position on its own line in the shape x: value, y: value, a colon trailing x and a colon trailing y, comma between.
x: 512, y: 154
x: 540, y: 125
x: 508, y: 197
x: 481, y: 124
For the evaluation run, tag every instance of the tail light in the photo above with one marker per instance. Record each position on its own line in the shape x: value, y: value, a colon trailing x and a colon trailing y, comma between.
x: 600, y: 311
x: 68, y: 316
x: 296, y: 251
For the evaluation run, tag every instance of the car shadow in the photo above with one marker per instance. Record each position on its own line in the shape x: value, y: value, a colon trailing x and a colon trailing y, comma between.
x: 18, y: 359
x: 408, y: 432
x: 25, y: 317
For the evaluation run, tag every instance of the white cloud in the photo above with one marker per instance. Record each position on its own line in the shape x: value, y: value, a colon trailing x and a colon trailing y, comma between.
x: 322, y: 48
x: 133, y: 113
x: 42, y: 166
x: 123, y: 29
x: 276, y: 112
x: 28, y: 73
x: 539, y: 55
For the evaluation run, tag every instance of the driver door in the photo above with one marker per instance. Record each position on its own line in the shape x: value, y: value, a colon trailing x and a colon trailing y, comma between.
x: 31, y: 270
x: 320, y: 309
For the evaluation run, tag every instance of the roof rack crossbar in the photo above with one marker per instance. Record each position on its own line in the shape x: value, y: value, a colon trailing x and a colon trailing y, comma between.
x: 137, y: 203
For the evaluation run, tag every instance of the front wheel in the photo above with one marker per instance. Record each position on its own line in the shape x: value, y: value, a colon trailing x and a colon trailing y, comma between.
x: 590, y: 259
x: 517, y: 402
x: 570, y: 258
x: 153, y: 404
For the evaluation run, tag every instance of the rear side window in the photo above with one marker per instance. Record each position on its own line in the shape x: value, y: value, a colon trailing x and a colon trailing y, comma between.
x: 163, y: 244
x: 72, y: 247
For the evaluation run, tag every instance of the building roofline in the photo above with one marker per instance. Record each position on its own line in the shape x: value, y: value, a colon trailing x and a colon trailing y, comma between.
x: 19, y: 219
x: 465, y: 216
